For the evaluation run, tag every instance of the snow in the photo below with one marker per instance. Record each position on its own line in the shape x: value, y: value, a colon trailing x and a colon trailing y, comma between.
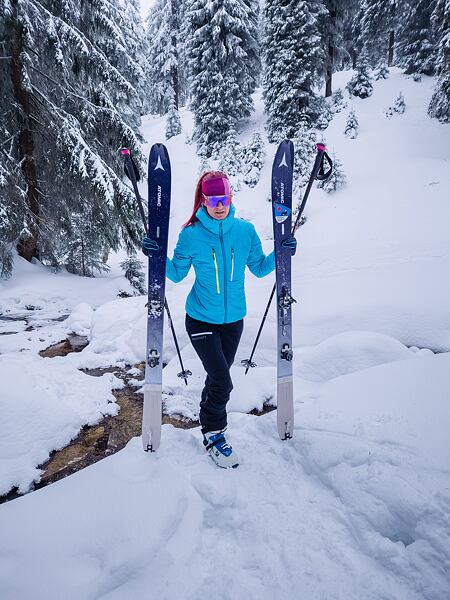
x: 43, y: 411
x: 357, y: 504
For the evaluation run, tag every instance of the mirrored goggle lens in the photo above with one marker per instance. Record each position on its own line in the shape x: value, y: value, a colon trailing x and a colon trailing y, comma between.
x: 213, y: 201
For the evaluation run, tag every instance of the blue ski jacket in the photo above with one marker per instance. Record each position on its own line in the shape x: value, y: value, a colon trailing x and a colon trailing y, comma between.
x: 219, y: 251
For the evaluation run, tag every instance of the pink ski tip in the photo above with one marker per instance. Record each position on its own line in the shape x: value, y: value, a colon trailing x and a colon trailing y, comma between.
x: 124, y: 151
x: 321, y: 147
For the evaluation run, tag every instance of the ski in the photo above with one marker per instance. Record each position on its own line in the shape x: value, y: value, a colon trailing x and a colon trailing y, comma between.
x: 159, y: 187
x: 282, y: 173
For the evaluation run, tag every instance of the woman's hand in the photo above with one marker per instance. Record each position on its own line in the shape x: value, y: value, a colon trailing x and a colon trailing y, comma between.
x: 290, y: 243
x: 149, y: 245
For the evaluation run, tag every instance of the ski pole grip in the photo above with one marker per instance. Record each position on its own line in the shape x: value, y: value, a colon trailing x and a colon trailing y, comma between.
x: 124, y: 152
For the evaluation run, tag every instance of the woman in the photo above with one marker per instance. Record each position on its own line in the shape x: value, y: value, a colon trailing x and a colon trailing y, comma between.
x: 219, y: 246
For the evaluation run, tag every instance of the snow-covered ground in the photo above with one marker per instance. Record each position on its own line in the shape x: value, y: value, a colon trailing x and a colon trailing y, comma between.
x: 357, y: 505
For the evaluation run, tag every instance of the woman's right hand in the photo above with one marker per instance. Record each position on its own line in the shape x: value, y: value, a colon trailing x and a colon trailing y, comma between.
x: 149, y: 245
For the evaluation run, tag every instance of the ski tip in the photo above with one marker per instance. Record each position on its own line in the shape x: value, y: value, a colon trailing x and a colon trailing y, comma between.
x: 124, y: 151
x: 159, y: 159
x: 284, y: 156
x: 321, y: 147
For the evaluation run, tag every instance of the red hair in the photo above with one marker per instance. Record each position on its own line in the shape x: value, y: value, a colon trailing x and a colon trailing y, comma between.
x: 198, y: 200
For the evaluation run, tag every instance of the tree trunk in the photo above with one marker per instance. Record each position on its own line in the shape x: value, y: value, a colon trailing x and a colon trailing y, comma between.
x: 391, y: 49
x: 175, y: 33
x: 26, y: 247
x: 329, y: 75
x: 354, y: 58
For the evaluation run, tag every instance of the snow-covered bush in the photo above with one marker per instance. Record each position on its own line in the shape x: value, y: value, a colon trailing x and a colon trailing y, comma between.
x: 323, y: 121
x: 352, y: 126
x: 230, y: 155
x: 338, y: 100
x: 398, y: 108
x: 361, y: 83
x: 133, y: 271
x: 336, y: 180
x: 304, y: 154
x: 382, y: 72
x: 252, y: 158
x: 173, y: 122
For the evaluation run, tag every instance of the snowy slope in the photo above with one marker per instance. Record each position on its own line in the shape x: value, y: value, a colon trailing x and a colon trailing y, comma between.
x: 355, y: 506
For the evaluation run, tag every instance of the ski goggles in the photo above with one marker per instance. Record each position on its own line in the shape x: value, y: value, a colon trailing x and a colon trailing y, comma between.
x: 213, y: 201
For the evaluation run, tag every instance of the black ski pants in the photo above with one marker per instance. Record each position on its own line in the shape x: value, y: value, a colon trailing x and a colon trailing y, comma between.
x: 216, y: 346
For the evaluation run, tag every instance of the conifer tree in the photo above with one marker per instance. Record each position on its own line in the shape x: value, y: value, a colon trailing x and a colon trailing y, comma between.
x: 165, y: 57
x: 361, y: 83
x: 133, y: 271
x: 336, y: 180
x: 352, y: 126
x: 339, y: 102
x: 332, y: 26
x: 253, y: 157
x: 173, y: 123
x: 294, y: 60
x: 382, y: 72
x: 439, y: 107
x: 377, y: 27
x: 304, y: 153
x: 223, y: 63
x: 69, y: 103
x: 416, y: 45
x: 230, y: 155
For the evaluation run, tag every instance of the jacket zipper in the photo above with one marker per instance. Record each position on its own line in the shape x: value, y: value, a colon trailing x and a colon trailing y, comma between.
x: 217, y: 271
x: 224, y: 270
x: 232, y: 264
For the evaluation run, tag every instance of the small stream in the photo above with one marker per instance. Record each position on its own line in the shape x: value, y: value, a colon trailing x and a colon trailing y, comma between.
x: 112, y: 433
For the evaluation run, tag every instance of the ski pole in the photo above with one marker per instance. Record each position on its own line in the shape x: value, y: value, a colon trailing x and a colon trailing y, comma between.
x: 132, y: 173
x: 316, y: 173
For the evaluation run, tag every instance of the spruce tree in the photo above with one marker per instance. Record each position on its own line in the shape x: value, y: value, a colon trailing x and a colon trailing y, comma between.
x: 294, y: 60
x: 416, y: 45
x: 361, y: 83
x: 377, y: 27
x: 133, y: 271
x: 304, y: 153
x: 338, y: 100
x: 69, y: 103
x: 253, y: 157
x: 332, y: 27
x: 336, y: 180
x: 382, y: 72
x: 352, y: 126
x: 173, y: 123
x: 439, y: 107
x: 165, y: 57
x: 223, y: 62
x: 230, y: 155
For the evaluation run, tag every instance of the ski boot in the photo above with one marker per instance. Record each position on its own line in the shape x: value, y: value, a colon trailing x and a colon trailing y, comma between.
x: 219, y: 450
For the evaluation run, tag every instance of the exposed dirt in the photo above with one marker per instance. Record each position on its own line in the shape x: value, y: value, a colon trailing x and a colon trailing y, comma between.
x: 74, y: 343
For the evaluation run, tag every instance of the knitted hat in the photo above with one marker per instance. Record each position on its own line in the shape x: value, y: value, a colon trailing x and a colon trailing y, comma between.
x: 219, y: 186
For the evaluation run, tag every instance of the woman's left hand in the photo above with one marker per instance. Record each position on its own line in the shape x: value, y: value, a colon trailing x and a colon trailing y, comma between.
x: 290, y: 243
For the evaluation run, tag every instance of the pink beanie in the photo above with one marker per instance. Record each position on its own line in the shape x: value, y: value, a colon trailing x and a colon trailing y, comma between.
x: 219, y: 186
